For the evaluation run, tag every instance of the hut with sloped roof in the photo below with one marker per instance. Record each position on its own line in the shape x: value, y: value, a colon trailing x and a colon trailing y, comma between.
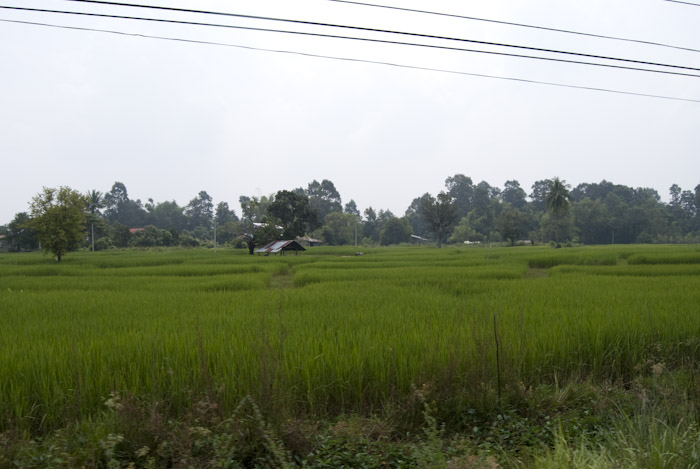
x: 280, y: 246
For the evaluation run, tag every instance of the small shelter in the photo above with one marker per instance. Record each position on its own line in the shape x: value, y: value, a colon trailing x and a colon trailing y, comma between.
x: 308, y: 241
x: 280, y: 246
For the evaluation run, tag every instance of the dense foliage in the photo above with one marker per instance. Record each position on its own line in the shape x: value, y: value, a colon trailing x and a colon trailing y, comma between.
x: 57, y: 218
x: 590, y: 213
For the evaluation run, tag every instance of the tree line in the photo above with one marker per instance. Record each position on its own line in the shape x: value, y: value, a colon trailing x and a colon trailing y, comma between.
x: 553, y: 211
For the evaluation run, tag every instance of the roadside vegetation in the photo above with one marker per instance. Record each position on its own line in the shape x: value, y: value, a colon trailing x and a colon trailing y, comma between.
x: 401, y: 357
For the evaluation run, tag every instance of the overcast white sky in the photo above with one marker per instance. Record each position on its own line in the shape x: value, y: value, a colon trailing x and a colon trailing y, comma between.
x: 169, y: 119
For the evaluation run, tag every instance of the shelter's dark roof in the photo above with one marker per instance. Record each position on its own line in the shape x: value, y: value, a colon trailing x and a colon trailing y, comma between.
x: 277, y: 246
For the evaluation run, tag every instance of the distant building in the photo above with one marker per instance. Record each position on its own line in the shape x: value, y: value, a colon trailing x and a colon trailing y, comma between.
x: 308, y: 241
x: 419, y: 239
x: 280, y: 246
x: 135, y: 230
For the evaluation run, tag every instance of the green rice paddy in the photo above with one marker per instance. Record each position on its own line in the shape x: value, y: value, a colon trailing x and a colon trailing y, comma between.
x: 327, y: 333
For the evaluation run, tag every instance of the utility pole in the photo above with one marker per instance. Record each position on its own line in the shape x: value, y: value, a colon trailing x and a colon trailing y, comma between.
x: 214, y: 235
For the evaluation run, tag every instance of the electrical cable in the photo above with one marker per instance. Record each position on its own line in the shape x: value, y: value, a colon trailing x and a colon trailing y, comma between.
x: 508, y: 23
x: 349, y: 59
x: 385, y: 31
x: 381, y: 41
x: 684, y: 3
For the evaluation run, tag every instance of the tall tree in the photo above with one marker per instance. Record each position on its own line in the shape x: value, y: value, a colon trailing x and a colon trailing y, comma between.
x: 224, y: 214
x: 324, y: 198
x: 19, y: 234
x: 461, y: 188
x: 351, y: 208
x: 167, y: 215
x: 340, y: 228
x: 58, y: 217
x: 115, y: 198
x: 539, y: 194
x: 121, y: 209
x: 395, y: 230
x: 94, y: 202
x: 254, y: 209
x: 415, y: 217
x: 440, y: 213
x: 511, y: 223
x: 557, y: 201
x: 514, y: 194
x: 200, y: 211
x: 292, y: 211
x: 255, y: 228
x: 370, y: 226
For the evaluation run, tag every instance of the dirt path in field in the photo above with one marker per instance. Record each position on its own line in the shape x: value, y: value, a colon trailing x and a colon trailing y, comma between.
x: 535, y: 273
x: 282, y: 280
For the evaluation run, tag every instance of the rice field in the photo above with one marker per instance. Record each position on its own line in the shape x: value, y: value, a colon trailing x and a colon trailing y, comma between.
x: 328, y: 333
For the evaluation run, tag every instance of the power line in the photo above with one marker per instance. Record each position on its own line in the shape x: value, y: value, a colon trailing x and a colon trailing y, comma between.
x: 684, y: 3
x: 508, y: 23
x: 381, y: 41
x: 359, y: 28
x: 349, y: 59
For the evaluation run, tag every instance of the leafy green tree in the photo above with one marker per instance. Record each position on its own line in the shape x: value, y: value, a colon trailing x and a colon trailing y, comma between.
x: 255, y: 227
x: 461, y: 189
x: 19, y: 234
x: 440, y: 213
x: 370, y: 226
x: 592, y: 221
x: 415, y: 217
x: 167, y: 215
x: 561, y: 226
x: 224, y: 214
x: 539, y: 194
x: 151, y: 236
x: 228, y: 232
x: 116, y: 197
x: 203, y: 233
x: 557, y: 201
x: 483, y: 225
x: 340, y: 228
x: 187, y: 240
x: 324, y: 198
x: 254, y: 209
x: 121, y: 236
x: 485, y: 208
x: 395, y: 231
x: 200, y: 211
x: 351, y: 208
x: 121, y: 209
x: 514, y: 194
x: 465, y: 232
x: 58, y: 217
x: 261, y: 235
x: 292, y: 211
x: 511, y: 224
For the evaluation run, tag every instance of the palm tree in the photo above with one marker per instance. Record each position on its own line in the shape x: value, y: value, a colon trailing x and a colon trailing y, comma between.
x: 94, y: 202
x: 557, y: 201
